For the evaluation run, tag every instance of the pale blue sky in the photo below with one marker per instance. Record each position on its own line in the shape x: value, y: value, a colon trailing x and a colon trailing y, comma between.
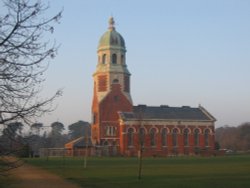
x: 179, y: 52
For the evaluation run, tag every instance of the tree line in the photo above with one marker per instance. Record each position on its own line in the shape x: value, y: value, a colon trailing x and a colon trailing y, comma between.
x: 27, y: 144
x: 234, y: 138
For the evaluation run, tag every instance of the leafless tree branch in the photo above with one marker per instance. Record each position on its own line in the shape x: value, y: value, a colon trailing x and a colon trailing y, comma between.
x: 24, y: 57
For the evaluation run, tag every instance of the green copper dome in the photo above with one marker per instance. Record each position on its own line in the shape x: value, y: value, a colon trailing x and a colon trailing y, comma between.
x: 111, y: 38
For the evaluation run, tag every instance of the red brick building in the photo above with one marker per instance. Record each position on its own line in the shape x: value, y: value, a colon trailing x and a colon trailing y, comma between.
x: 119, y: 128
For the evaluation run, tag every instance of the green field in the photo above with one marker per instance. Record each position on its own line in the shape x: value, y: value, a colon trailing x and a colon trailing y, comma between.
x: 215, y: 172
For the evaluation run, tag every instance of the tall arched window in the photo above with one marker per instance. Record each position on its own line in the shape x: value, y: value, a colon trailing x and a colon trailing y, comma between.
x: 196, y: 137
x: 122, y: 59
x: 105, y: 143
x: 153, y: 137
x: 185, y: 137
x: 115, y: 81
x: 142, y: 136
x: 103, y: 58
x: 206, y: 137
x: 175, y: 137
x: 114, y: 58
x: 111, y: 131
x: 130, y: 137
x: 164, y: 137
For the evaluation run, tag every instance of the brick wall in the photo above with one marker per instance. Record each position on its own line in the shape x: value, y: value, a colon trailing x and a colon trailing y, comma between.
x: 158, y: 149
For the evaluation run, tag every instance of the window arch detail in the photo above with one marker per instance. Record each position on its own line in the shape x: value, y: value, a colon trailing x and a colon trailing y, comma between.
x: 206, y: 137
x: 186, y: 137
x: 152, y: 137
x: 196, y: 137
x: 122, y: 59
x: 130, y: 137
x: 115, y: 81
x: 103, y: 58
x: 164, y: 137
x: 142, y: 133
x: 111, y: 131
x: 114, y: 58
x: 175, y: 137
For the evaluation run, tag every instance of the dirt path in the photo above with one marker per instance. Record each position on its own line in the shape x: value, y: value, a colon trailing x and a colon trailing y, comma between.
x: 28, y: 176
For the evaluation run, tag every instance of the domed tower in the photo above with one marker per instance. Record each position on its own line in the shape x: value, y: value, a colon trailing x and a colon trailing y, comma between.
x: 111, y: 87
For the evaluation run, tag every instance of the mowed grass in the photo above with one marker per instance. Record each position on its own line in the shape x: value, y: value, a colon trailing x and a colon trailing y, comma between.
x: 175, y: 172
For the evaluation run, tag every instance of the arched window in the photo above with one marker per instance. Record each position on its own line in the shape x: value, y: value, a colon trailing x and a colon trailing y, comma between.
x: 164, y: 137
x: 114, y: 59
x: 105, y: 143
x: 175, y: 137
x: 142, y: 136
x: 103, y: 58
x: 115, y: 81
x: 206, y: 137
x: 130, y: 137
x: 185, y: 137
x: 122, y: 59
x: 153, y: 137
x: 196, y: 137
x: 111, y: 131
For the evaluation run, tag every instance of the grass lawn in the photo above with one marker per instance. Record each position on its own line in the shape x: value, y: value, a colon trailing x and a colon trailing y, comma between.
x: 215, y: 172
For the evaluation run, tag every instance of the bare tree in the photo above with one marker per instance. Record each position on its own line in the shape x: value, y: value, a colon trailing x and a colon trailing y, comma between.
x: 234, y: 138
x: 35, y: 128
x: 24, y: 55
x: 56, y: 138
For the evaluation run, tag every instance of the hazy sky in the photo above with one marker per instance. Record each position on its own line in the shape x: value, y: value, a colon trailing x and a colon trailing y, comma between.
x: 179, y: 52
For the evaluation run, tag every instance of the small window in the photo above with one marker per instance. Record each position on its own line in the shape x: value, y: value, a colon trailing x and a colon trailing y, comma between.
x: 103, y: 58
x: 164, y: 137
x: 196, y: 137
x: 153, y: 137
x: 115, y: 81
x: 114, y: 59
x: 130, y: 137
x: 111, y: 131
x: 142, y: 136
x: 175, y: 137
x: 122, y: 59
x: 105, y: 143
x: 185, y: 135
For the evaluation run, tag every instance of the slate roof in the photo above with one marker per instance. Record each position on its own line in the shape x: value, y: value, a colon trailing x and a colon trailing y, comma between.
x: 165, y: 112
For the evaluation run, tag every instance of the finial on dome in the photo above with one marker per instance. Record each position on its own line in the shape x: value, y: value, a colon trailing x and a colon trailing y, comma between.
x: 111, y: 23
